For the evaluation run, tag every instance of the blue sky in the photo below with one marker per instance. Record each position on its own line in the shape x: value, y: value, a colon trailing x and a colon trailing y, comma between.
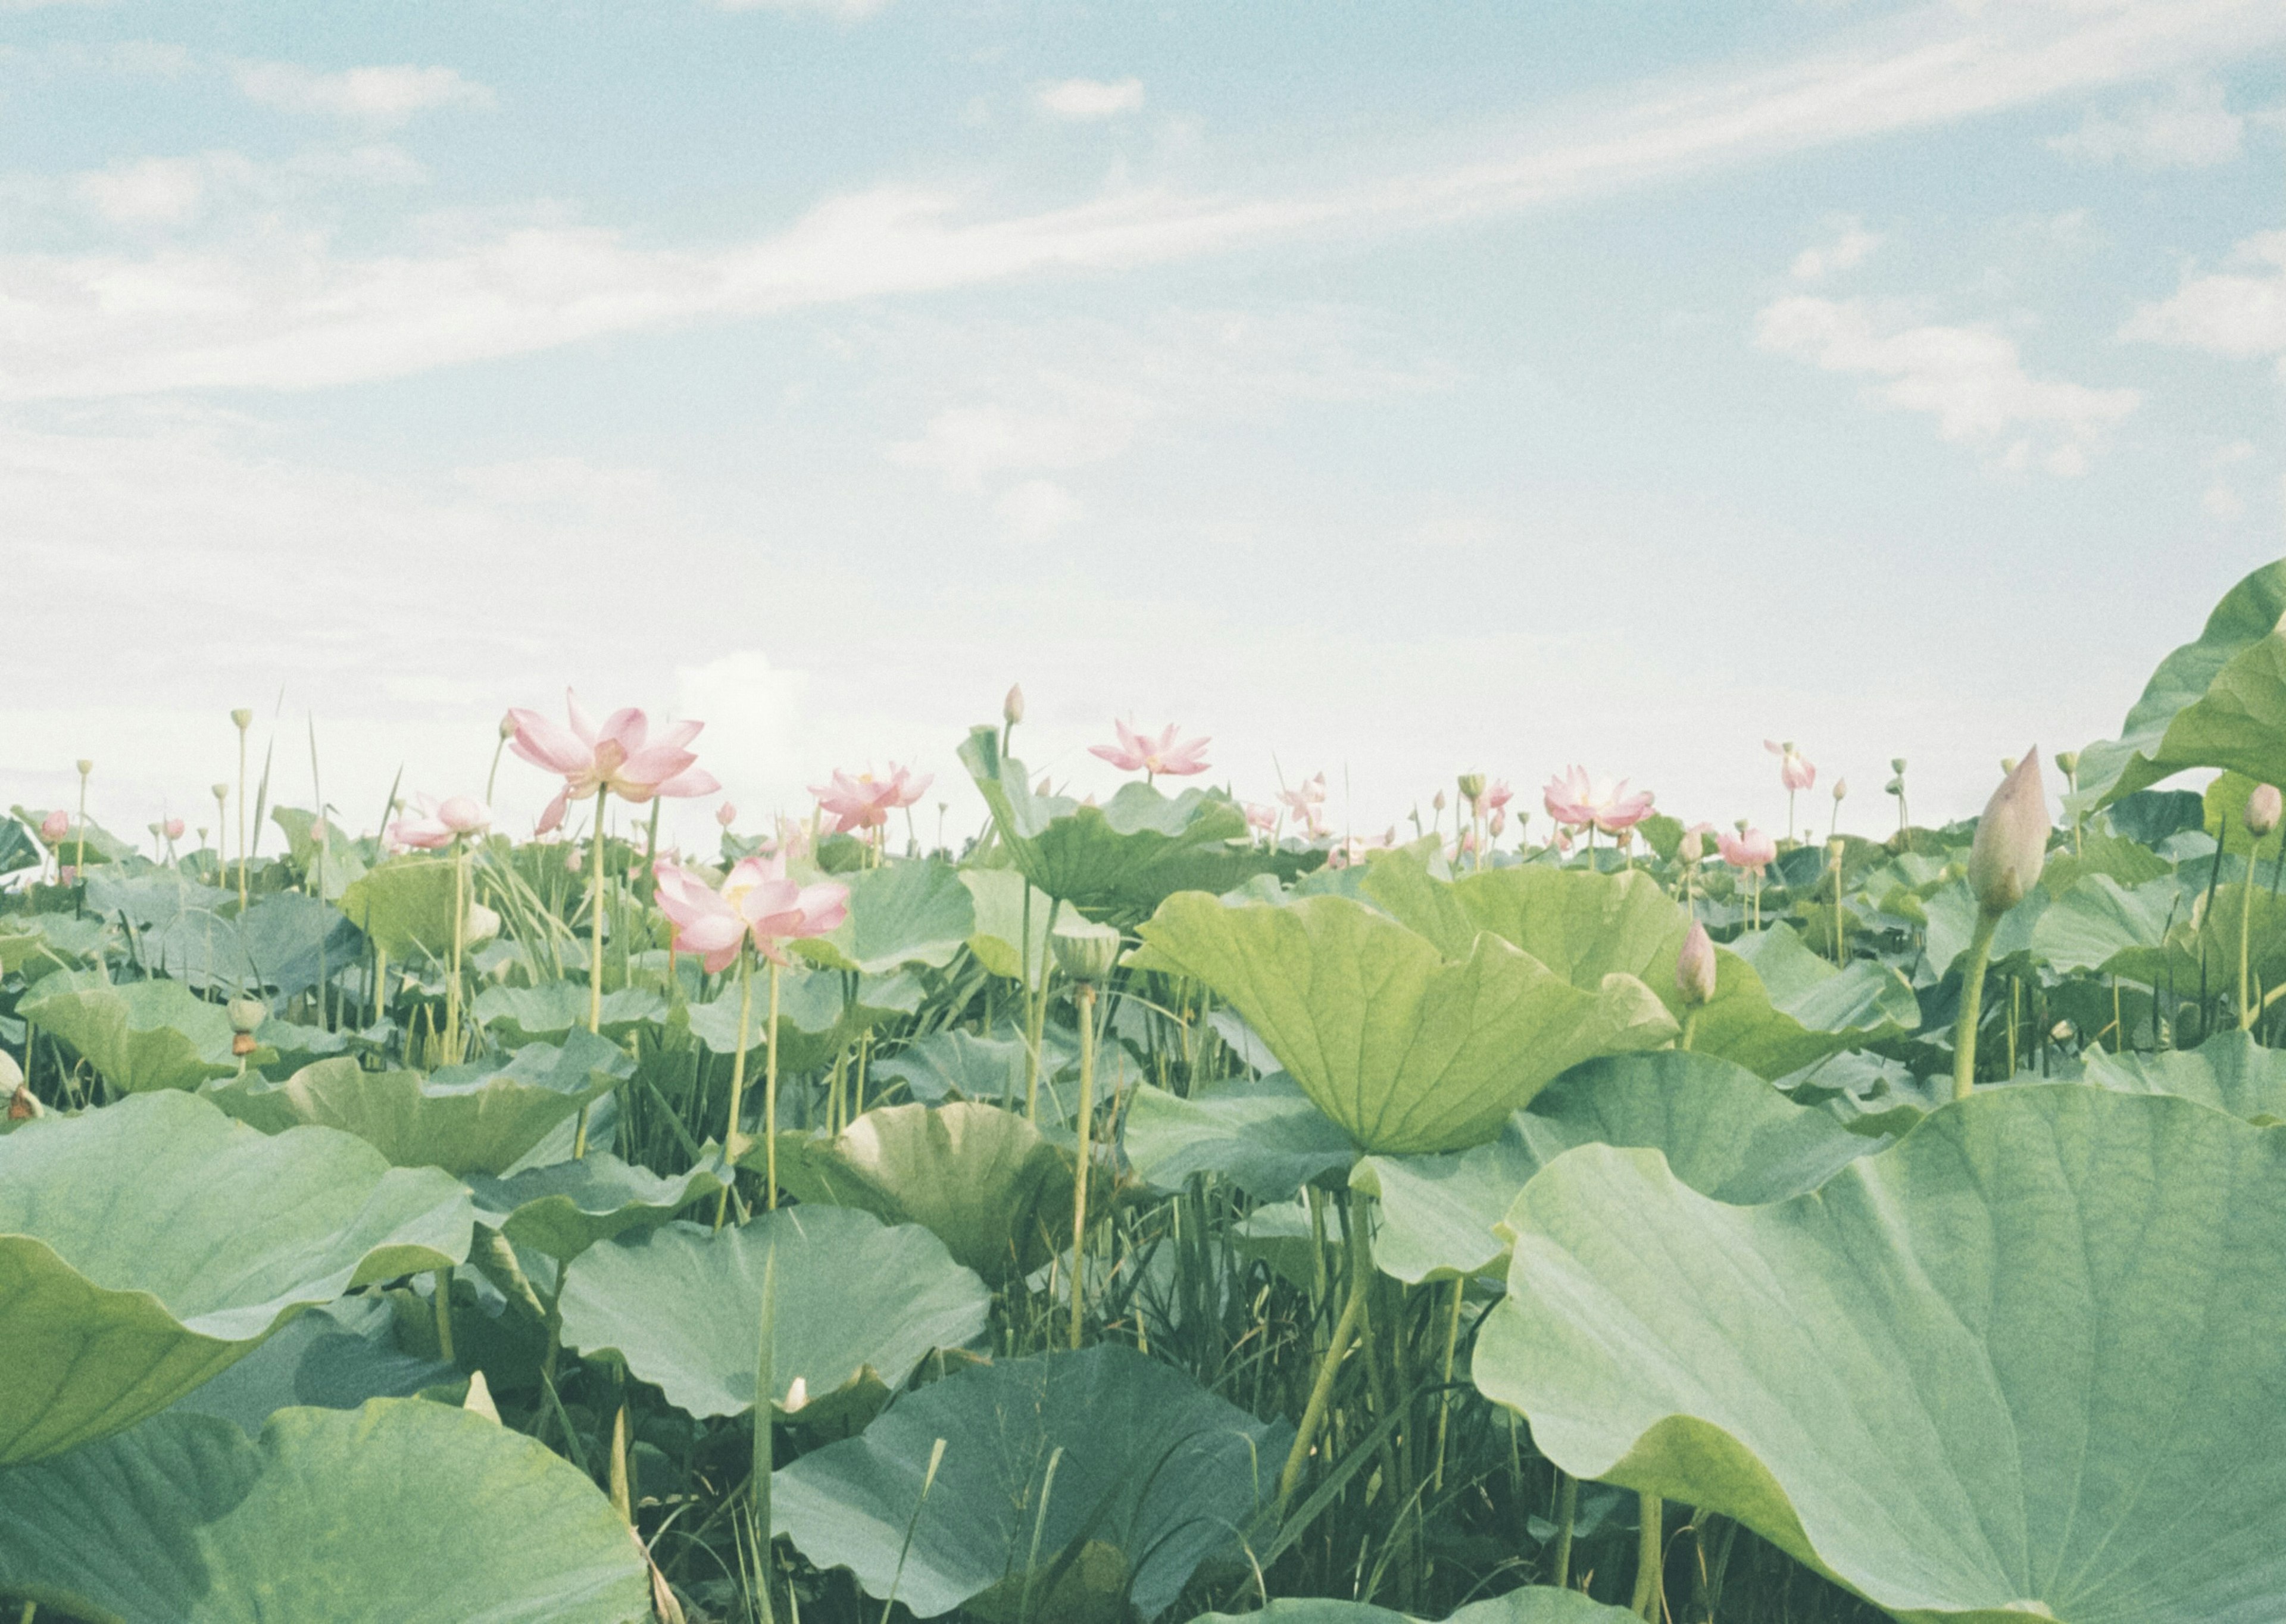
x: 1388, y: 392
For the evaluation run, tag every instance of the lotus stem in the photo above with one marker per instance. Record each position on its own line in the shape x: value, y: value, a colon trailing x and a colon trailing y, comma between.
x: 594, y: 956
x: 443, y: 1282
x: 766, y: 1393
x: 79, y: 862
x: 738, y: 1080
x: 770, y: 1091
x: 2247, y: 1009
x: 460, y: 942
x: 1567, y: 1512
x: 380, y: 979
x: 1650, y: 1560
x: 1444, y: 1397
x: 1321, y: 1390
x: 1036, y: 1007
x: 1085, y: 1122
x: 242, y: 818
x: 1971, y: 1004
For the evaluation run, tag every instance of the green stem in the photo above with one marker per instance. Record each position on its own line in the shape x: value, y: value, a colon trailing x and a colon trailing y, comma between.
x: 241, y: 820
x: 1971, y: 1004
x: 1445, y: 1398
x: 2247, y: 1009
x: 460, y: 941
x: 1036, y: 1014
x: 1321, y: 1391
x: 771, y: 1091
x: 1085, y: 1122
x: 737, y: 1085
x: 444, y: 1281
x: 1650, y: 1560
x: 594, y: 955
x: 1567, y: 1512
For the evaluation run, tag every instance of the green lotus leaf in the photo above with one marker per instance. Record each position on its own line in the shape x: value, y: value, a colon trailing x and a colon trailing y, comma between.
x: 147, y: 1246
x: 279, y: 945
x: 859, y: 1304
x: 2218, y: 702
x: 998, y: 896
x: 34, y: 945
x: 2025, y: 1362
x: 546, y: 1013
x: 400, y: 1512
x: 1534, y: 1604
x: 2095, y: 923
x: 958, y: 1065
x: 465, y: 1119
x: 1116, y: 1460
x: 982, y: 1179
x: 1725, y: 1131
x: 1119, y: 861
x: 406, y: 905
x: 1404, y: 1048
x: 906, y: 912
x: 2230, y: 1071
x: 336, y: 1356
x: 1263, y: 1134
x: 140, y: 1035
x: 817, y: 1019
x: 564, y: 1207
x: 102, y: 846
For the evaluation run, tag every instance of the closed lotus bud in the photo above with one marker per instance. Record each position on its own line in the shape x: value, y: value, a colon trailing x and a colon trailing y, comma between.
x: 2262, y: 810
x: 1694, y: 966
x: 55, y: 826
x: 726, y: 815
x: 246, y: 1014
x: 11, y: 1074
x: 1472, y: 784
x: 1840, y: 788
x: 1085, y: 951
x: 484, y: 925
x: 2068, y: 763
x: 1012, y: 708
x: 243, y: 719
x: 2012, y: 840
x: 507, y: 726
x: 1438, y: 801
x: 1690, y: 850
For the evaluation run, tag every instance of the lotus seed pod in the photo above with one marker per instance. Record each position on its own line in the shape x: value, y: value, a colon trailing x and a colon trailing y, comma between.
x: 2068, y: 763
x: 1894, y: 786
x: 246, y: 1014
x: 1897, y: 763
x: 2262, y: 810
x: 2007, y: 765
x: 2012, y: 840
x: 1694, y: 966
x: 1012, y: 708
x: 1473, y: 785
x: 243, y: 719
x: 484, y: 926
x: 221, y: 791
x: 1085, y: 951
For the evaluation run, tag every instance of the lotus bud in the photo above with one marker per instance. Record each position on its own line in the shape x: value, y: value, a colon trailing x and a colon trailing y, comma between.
x: 85, y: 767
x: 1085, y: 951
x: 484, y: 925
x: 55, y: 826
x: 1041, y: 788
x: 321, y: 831
x: 726, y: 815
x: 1840, y: 788
x: 1694, y: 966
x: 1690, y: 850
x: 1473, y: 785
x: 242, y: 719
x: 2068, y: 764
x: 1437, y: 802
x: 2012, y: 840
x: 797, y: 1396
x: 1500, y: 821
x: 1012, y: 708
x: 507, y: 726
x: 11, y: 1074
x: 2262, y: 808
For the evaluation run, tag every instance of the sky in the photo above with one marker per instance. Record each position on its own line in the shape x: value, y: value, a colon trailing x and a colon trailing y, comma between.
x: 1386, y: 391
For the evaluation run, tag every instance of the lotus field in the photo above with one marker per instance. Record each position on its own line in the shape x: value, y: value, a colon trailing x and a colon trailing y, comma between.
x: 1176, y: 1208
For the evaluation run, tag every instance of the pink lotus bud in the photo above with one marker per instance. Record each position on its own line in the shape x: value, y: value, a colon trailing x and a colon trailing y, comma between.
x: 2262, y: 810
x: 726, y: 815
x: 1012, y: 708
x: 1694, y: 966
x: 2012, y: 840
x: 174, y: 828
x: 55, y: 826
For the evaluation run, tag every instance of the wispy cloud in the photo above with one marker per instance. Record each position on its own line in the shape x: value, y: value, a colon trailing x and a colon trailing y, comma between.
x: 1089, y: 99
x: 378, y: 96
x: 1849, y: 247
x: 2192, y: 129
x: 2240, y: 311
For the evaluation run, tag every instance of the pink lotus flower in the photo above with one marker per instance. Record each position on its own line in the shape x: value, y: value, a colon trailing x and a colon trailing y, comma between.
x: 864, y: 801
x: 1793, y: 772
x: 1497, y: 794
x: 1579, y: 802
x: 1751, y: 849
x: 620, y: 755
x: 436, y: 824
x: 756, y: 900
x: 726, y: 815
x: 1138, y: 753
x: 1261, y: 817
x: 1301, y: 801
x: 55, y: 826
x: 174, y: 828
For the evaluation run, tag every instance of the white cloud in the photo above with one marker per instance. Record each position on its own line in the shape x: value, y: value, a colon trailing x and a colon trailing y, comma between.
x: 1038, y: 508
x: 2227, y: 456
x: 1849, y: 247
x: 152, y: 191
x: 2238, y: 312
x: 2221, y: 502
x: 968, y: 444
x: 1089, y: 98
x: 2193, y: 130
x: 174, y: 191
x: 1970, y: 379
x: 370, y: 95
x: 755, y: 712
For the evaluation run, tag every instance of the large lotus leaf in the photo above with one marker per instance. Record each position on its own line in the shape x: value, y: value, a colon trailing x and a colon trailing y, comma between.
x: 465, y: 1119
x: 817, y: 1019
x: 198, y: 936
x: 529, y: 1014
x: 406, y: 905
x: 564, y: 1207
x: 336, y: 1356
x: 1262, y: 1134
x: 34, y: 945
x: 2218, y: 702
x: 1406, y: 1049
x: 1120, y: 860
x: 400, y: 1512
x: 984, y: 1180
x: 915, y: 912
x: 998, y: 941
x: 1725, y: 1131
x: 2093, y: 923
x: 141, y: 1035
x: 859, y: 1302
x: 102, y: 845
x: 958, y: 1065
x: 146, y: 1246
x: 2026, y: 1362
x: 2230, y: 1071
x: 1535, y: 1604
x: 1119, y: 1459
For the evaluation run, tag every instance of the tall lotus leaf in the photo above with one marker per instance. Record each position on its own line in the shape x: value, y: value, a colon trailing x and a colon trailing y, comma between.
x: 1120, y: 860
x: 2026, y: 1362
x: 1406, y: 1049
x: 146, y: 1246
x: 401, y: 1512
x: 1119, y: 1458
x: 406, y: 905
x: 998, y: 896
x: 958, y: 1065
x: 2230, y: 1071
x: 984, y: 1180
x: 1534, y: 1604
x: 2218, y: 702
x: 564, y: 1207
x: 1725, y: 1132
x: 465, y: 1119
x: 1263, y: 1135
x: 914, y: 912
x: 141, y: 1035
x: 529, y: 1014
x: 859, y: 1304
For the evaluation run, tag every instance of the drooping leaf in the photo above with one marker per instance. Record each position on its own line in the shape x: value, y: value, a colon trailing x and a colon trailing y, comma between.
x: 911, y: 912
x: 140, y: 1035
x: 1118, y: 1459
x: 958, y: 1065
x: 2026, y: 1362
x: 859, y: 1302
x: 406, y: 905
x: 2230, y: 1071
x: 565, y: 1207
x: 336, y: 1356
x: 149, y: 1245
x: 1263, y: 1134
x: 400, y: 1512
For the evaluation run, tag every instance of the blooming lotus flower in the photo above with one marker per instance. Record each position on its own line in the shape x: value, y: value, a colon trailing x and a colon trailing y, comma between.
x: 756, y: 900
x: 1497, y: 794
x: 436, y: 823
x: 1300, y: 801
x: 1793, y: 772
x: 1261, y: 817
x: 2012, y: 840
x: 864, y: 801
x: 618, y: 755
x: 1139, y: 752
x: 1577, y: 801
x: 1749, y: 848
